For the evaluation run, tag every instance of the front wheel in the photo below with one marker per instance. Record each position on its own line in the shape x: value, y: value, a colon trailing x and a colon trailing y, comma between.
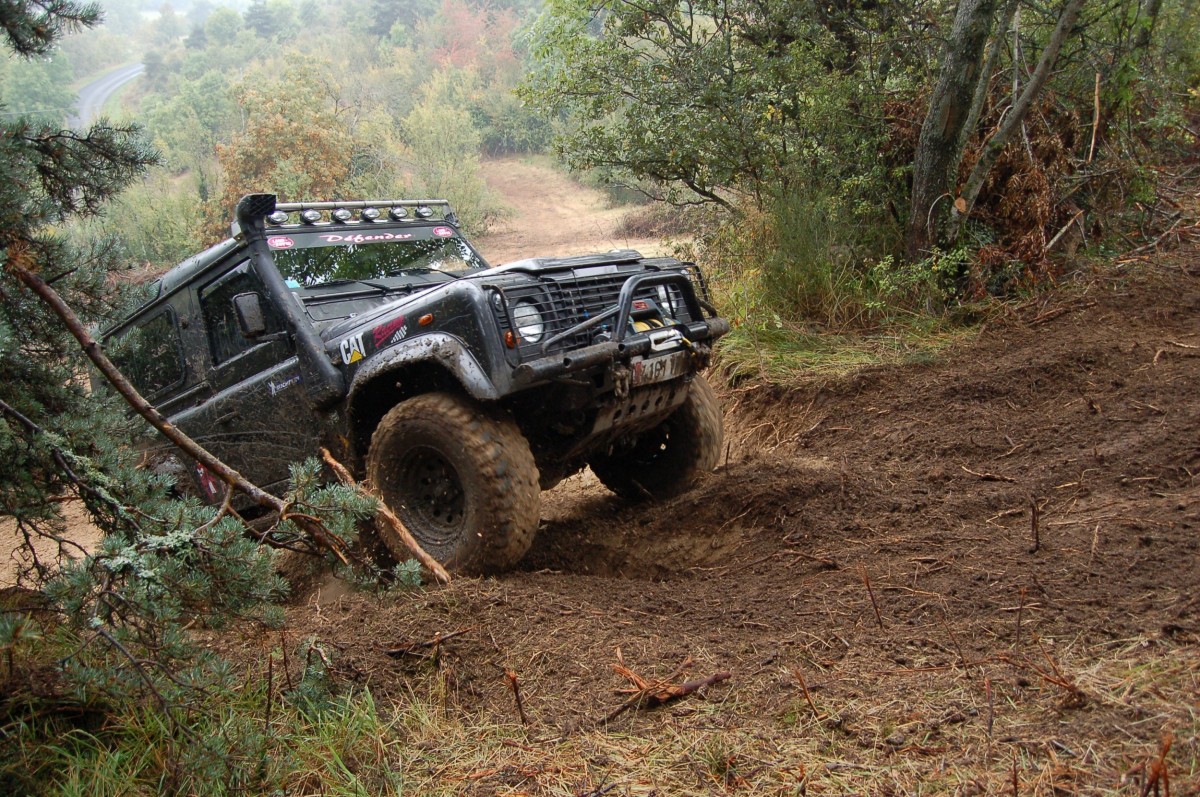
x: 461, y: 478
x: 664, y: 461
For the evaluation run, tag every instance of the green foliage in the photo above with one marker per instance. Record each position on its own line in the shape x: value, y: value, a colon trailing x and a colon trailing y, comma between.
x: 123, y: 647
x: 222, y: 25
x: 443, y: 151
x: 707, y: 99
x: 407, y: 574
x: 39, y: 89
x: 190, y: 122
x: 154, y: 222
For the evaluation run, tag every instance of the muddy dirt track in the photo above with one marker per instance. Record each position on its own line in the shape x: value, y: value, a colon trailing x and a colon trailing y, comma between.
x: 1025, y: 511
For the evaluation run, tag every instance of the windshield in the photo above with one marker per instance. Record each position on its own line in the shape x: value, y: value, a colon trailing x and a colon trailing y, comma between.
x: 314, y: 258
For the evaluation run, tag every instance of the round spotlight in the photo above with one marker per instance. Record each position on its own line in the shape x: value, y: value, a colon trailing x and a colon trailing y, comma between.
x: 310, y: 216
x: 342, y: 214
x: 424, y: 211
x: 398, y: 214
x: 369, y: 214
x: 278, y: 217
x: 528, y: 321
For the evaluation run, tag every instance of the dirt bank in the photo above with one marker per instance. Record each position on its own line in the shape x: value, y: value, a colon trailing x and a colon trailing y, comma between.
x: 998, y: 548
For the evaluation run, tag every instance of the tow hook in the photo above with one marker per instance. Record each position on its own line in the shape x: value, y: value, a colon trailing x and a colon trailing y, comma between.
x: 622, y: 380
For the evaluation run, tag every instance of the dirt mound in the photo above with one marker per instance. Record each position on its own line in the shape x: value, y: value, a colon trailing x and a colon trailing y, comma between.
x: 1034, y: 488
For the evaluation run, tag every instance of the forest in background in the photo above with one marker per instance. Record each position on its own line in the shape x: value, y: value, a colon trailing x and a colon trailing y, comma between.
x: 780, y: 141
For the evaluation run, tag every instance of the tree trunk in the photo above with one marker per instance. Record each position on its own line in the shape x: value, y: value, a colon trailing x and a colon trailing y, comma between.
x: 939, y: 149
x: 985, y: 79
x: 1015, y: 116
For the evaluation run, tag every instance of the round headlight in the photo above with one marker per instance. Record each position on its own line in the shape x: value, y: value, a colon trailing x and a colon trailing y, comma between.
x: 369, y: 214
x: 310, y: 216
x: 278, y: 217
x: 424, y: 211
x: 528, y: 321
x: 342, y: 214
x: 397, y: 214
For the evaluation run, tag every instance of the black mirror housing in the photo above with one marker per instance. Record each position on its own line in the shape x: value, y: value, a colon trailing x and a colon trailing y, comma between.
x: 251, y: 320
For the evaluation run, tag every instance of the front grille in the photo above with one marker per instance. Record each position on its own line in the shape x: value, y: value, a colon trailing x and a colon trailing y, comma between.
x: 567, y: 300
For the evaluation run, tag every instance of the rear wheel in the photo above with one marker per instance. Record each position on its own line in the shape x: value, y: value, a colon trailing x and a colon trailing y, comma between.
x: 461, y: 478
x: 665, y: 460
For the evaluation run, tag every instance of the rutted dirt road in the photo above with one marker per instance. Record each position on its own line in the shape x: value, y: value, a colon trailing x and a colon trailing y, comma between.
x: 553, y: 215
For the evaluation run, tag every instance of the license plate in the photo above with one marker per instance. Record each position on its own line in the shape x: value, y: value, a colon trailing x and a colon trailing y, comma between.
x: 660, y: 369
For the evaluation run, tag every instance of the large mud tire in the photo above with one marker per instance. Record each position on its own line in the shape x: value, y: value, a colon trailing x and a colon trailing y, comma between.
x: 664, y: 461
x: 462, y: 479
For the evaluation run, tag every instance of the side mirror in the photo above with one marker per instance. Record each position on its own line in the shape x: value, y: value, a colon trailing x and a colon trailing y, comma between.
x: 251, y: 320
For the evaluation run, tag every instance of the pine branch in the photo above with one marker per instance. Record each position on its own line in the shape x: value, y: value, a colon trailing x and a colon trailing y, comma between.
x: 314, y: 527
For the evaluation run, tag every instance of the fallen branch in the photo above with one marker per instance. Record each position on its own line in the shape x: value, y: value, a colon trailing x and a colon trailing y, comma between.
x: 316, y: 530
x: 387, y: 517
x: 989, y: 477
x: 416, y: 648
x: 1153, y: 244
x: 1061, y: 233
x: 650, y: 694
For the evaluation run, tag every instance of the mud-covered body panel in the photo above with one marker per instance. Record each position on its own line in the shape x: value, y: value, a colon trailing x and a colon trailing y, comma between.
x: 347, y: 323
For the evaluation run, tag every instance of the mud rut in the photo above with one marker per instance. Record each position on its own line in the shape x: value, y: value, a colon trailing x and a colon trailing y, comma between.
x: 921, y: 479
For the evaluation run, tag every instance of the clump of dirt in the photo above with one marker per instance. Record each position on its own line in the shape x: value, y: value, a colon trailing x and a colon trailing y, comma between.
x: 1030, y: 498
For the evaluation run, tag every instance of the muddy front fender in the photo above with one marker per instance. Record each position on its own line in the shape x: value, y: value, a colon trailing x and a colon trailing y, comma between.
x: 440, y: 348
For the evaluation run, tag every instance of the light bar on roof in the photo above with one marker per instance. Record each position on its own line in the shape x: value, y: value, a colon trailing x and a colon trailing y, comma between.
x: 365, y: 203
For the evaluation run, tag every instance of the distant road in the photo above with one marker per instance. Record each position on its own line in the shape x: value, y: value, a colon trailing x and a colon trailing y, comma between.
x: 93, y: 96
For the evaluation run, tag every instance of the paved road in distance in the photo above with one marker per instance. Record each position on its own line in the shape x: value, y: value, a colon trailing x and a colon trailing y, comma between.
x: 93, y: 96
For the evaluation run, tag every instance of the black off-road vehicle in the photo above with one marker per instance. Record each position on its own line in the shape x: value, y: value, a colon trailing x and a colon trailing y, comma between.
x: 460, y: 390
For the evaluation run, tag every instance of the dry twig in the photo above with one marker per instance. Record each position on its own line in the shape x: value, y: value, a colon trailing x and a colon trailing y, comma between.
x: 416, y: 648
x: 649, y: 694
x: 513, y: 684
x: 862, y: 569
x: 989, y: 477
x: 1156, y: 771
x: 804, y: 688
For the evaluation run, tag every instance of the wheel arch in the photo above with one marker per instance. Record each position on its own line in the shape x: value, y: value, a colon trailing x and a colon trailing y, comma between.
x: 429, y: 363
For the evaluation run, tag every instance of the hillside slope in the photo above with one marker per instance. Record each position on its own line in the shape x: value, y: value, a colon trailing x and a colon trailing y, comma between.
x: 986, y: 559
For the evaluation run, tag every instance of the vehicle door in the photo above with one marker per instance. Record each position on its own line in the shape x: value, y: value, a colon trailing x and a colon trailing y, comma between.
x: 256, y: 418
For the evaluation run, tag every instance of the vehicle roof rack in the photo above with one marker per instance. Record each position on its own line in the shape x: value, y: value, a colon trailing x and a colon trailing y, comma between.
x: 361, y: 203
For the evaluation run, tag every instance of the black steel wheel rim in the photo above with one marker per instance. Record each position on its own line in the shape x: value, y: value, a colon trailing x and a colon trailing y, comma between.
x: 432, y: 495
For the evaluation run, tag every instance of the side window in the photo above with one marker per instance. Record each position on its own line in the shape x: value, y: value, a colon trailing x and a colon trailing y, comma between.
x: 149, y: 354
x: 225, y: 339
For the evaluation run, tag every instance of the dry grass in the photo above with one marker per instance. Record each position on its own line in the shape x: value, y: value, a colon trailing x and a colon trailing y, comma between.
x: 876, y: 730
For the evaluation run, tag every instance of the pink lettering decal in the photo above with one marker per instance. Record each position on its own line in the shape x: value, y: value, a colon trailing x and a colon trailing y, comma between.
x: 364, y: 239
x: 280, y: 242
x: 382, y: 332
